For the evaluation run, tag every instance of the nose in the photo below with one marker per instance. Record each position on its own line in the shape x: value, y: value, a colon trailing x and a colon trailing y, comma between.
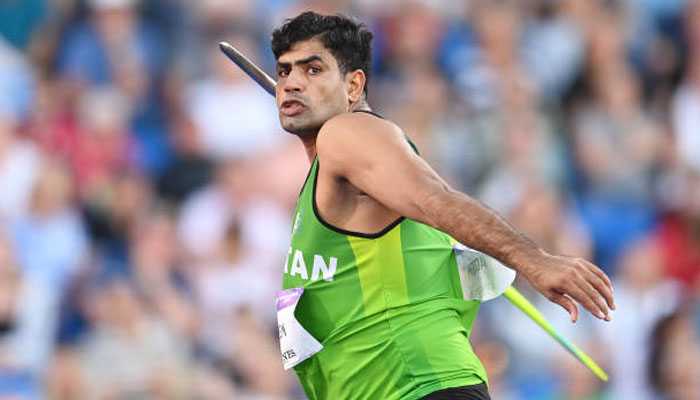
x: 292, y: 82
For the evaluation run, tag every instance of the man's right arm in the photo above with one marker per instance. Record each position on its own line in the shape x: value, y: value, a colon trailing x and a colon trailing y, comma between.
x: 559, y: 278
x: 373, y: 155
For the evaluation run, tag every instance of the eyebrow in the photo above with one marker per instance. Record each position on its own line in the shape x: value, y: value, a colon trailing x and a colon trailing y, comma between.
x: 300, y: 62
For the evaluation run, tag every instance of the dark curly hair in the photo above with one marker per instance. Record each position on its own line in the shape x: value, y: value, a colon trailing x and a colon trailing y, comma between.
x: 348, y: 40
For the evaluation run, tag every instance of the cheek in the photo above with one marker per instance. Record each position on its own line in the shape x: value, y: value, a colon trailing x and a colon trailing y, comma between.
x: 335, y: 98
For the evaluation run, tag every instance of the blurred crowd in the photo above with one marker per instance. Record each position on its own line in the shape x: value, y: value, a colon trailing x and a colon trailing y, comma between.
x: 146, y: 187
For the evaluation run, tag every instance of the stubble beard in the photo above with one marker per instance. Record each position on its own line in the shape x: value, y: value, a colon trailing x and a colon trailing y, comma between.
x: 303, y: 126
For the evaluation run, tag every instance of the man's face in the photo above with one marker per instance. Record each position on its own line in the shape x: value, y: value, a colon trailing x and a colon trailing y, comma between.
x: 310, y: 88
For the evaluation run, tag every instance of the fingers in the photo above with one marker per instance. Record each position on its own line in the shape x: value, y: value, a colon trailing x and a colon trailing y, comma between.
x: 579, y: 290
x: 591, y: 299
x: 567, y: 304
x: 578, y: 281
x: 598, y: 272
x: 591, y: 288
x: 602, y: 284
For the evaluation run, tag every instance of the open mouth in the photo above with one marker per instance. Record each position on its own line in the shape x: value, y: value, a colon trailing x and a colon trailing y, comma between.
x: 292, y: 107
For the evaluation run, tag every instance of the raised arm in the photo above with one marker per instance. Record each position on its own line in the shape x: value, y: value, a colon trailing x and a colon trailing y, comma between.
x: 374, y: 156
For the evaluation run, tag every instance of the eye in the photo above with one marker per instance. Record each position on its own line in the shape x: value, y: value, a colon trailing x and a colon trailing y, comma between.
x: 282, y: 72
x: 314, y: 70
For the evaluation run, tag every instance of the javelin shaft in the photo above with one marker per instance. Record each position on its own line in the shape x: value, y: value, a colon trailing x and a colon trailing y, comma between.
x: 269, y: 84
x: 249, y: 68
x: 529, y: 309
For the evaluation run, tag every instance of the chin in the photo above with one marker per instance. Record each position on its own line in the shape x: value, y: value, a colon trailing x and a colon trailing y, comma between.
x: 298, y: 127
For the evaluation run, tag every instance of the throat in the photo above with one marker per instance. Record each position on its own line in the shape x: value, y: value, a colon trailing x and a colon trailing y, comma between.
x: 310, y: 147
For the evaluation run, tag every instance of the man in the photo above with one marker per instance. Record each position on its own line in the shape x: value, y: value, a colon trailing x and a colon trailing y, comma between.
x: 371, y: 247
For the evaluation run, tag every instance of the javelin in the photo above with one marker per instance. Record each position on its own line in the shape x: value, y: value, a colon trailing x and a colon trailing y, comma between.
x: 531, y: 311
x: 269, y: 84
x: 249, y: 68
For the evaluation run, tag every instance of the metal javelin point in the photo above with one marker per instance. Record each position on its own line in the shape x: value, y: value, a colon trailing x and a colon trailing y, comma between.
x: 249, y: 68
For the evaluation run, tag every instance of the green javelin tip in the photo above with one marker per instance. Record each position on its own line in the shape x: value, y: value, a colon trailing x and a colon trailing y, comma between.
x: 528, y: 308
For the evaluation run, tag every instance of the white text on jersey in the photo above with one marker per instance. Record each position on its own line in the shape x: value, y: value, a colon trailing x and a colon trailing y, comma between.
x: 319, y: 266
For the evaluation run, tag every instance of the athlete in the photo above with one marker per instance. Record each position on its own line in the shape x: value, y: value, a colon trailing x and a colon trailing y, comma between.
x: 371, y: 250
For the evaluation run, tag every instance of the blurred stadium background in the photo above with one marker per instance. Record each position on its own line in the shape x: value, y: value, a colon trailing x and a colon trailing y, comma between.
x: 146, y: 187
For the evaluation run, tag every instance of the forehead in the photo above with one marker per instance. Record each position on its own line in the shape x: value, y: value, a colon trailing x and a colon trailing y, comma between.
x: 304, y: 49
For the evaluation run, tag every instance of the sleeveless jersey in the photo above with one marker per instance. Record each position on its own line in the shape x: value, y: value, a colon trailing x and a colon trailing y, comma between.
x: 387, y: 307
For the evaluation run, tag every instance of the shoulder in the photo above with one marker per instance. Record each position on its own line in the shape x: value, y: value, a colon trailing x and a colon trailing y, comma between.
x: 347, y: 130
x: 359, y: 120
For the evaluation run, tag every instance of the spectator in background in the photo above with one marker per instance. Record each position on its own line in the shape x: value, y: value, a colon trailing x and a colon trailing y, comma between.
x: 19, y: 158
x: 113, y: 215
x: 17, y: 83
x: 236, y: 194
x: 410, y: 89
x: 16, y: 380
x: 231, y: 114
x: 20, y: 161
x: 158, y: 273
x: 190, y: 168
x: 646, y: 296
x: 51, y: 247
x: 131, y: 352
x: 227, y: 285
x: 257, y: 356
x: 50, y: 238
x: 554, y: 46
x: 103, y: 146
x: 112, y: 47
x: 53, y: 123
x: 90, y: 133
x: 679, y: 235
x: 528, y: 156
x: 505, y: 137
x: 576, y: 382
x: 115, y: 47
x: 203, y: 26
x: 685, y: 112
x: 10, y: 283
x: 235, y: 300
x: 675, y: 350
x: 618, y: 148
x: 110, y: 186
x: 491, y: 72
x: 543, y: 213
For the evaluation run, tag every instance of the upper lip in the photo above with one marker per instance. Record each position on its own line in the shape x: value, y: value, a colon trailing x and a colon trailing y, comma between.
x: 289, y: 102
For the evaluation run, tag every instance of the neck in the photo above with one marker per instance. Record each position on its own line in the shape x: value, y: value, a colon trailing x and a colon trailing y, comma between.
x: 360, y: 105
x: 309, y: 141
x: 310, y: 147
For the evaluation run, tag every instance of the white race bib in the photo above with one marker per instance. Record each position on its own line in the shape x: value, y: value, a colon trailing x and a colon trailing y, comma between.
x: 296, y: 344
x: 483, y: 277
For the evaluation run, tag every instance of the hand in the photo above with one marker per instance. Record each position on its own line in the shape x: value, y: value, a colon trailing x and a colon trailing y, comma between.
x: 564, y: 279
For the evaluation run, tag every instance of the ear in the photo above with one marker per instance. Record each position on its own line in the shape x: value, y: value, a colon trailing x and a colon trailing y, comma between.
x: 355, y: 83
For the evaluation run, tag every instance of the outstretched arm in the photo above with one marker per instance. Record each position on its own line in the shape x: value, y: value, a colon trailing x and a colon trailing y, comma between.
x: 374, y: 156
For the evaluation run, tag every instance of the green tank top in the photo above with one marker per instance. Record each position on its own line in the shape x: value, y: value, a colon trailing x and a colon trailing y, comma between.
x: 387, y: 307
